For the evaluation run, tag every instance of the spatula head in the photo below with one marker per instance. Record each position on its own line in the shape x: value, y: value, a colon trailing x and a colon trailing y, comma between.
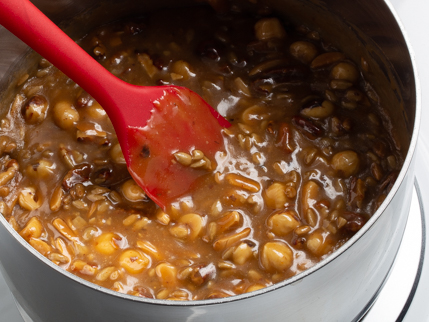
x: 181, y: 124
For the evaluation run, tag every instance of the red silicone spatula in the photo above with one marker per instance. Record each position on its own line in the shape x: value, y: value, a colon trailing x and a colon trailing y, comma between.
x: 151, y: 122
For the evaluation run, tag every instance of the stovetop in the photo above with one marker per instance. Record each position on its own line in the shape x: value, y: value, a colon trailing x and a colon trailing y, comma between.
x: 404, y: 296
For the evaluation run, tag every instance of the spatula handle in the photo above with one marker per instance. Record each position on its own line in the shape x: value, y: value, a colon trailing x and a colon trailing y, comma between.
x: 29, y: 24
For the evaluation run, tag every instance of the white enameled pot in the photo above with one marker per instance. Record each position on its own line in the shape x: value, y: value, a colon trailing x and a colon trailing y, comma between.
x: 340, y: 288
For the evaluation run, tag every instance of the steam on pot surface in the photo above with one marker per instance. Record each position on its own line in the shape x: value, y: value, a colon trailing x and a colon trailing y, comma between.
x: 308, y: 160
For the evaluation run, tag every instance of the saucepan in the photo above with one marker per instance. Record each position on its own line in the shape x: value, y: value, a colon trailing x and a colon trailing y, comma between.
x: 340, y: 288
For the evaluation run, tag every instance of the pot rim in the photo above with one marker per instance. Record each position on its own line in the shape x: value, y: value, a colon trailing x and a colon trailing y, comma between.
x: 294, y: 279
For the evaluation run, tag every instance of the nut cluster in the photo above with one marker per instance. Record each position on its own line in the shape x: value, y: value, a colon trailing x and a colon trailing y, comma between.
x: 196, y: 159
